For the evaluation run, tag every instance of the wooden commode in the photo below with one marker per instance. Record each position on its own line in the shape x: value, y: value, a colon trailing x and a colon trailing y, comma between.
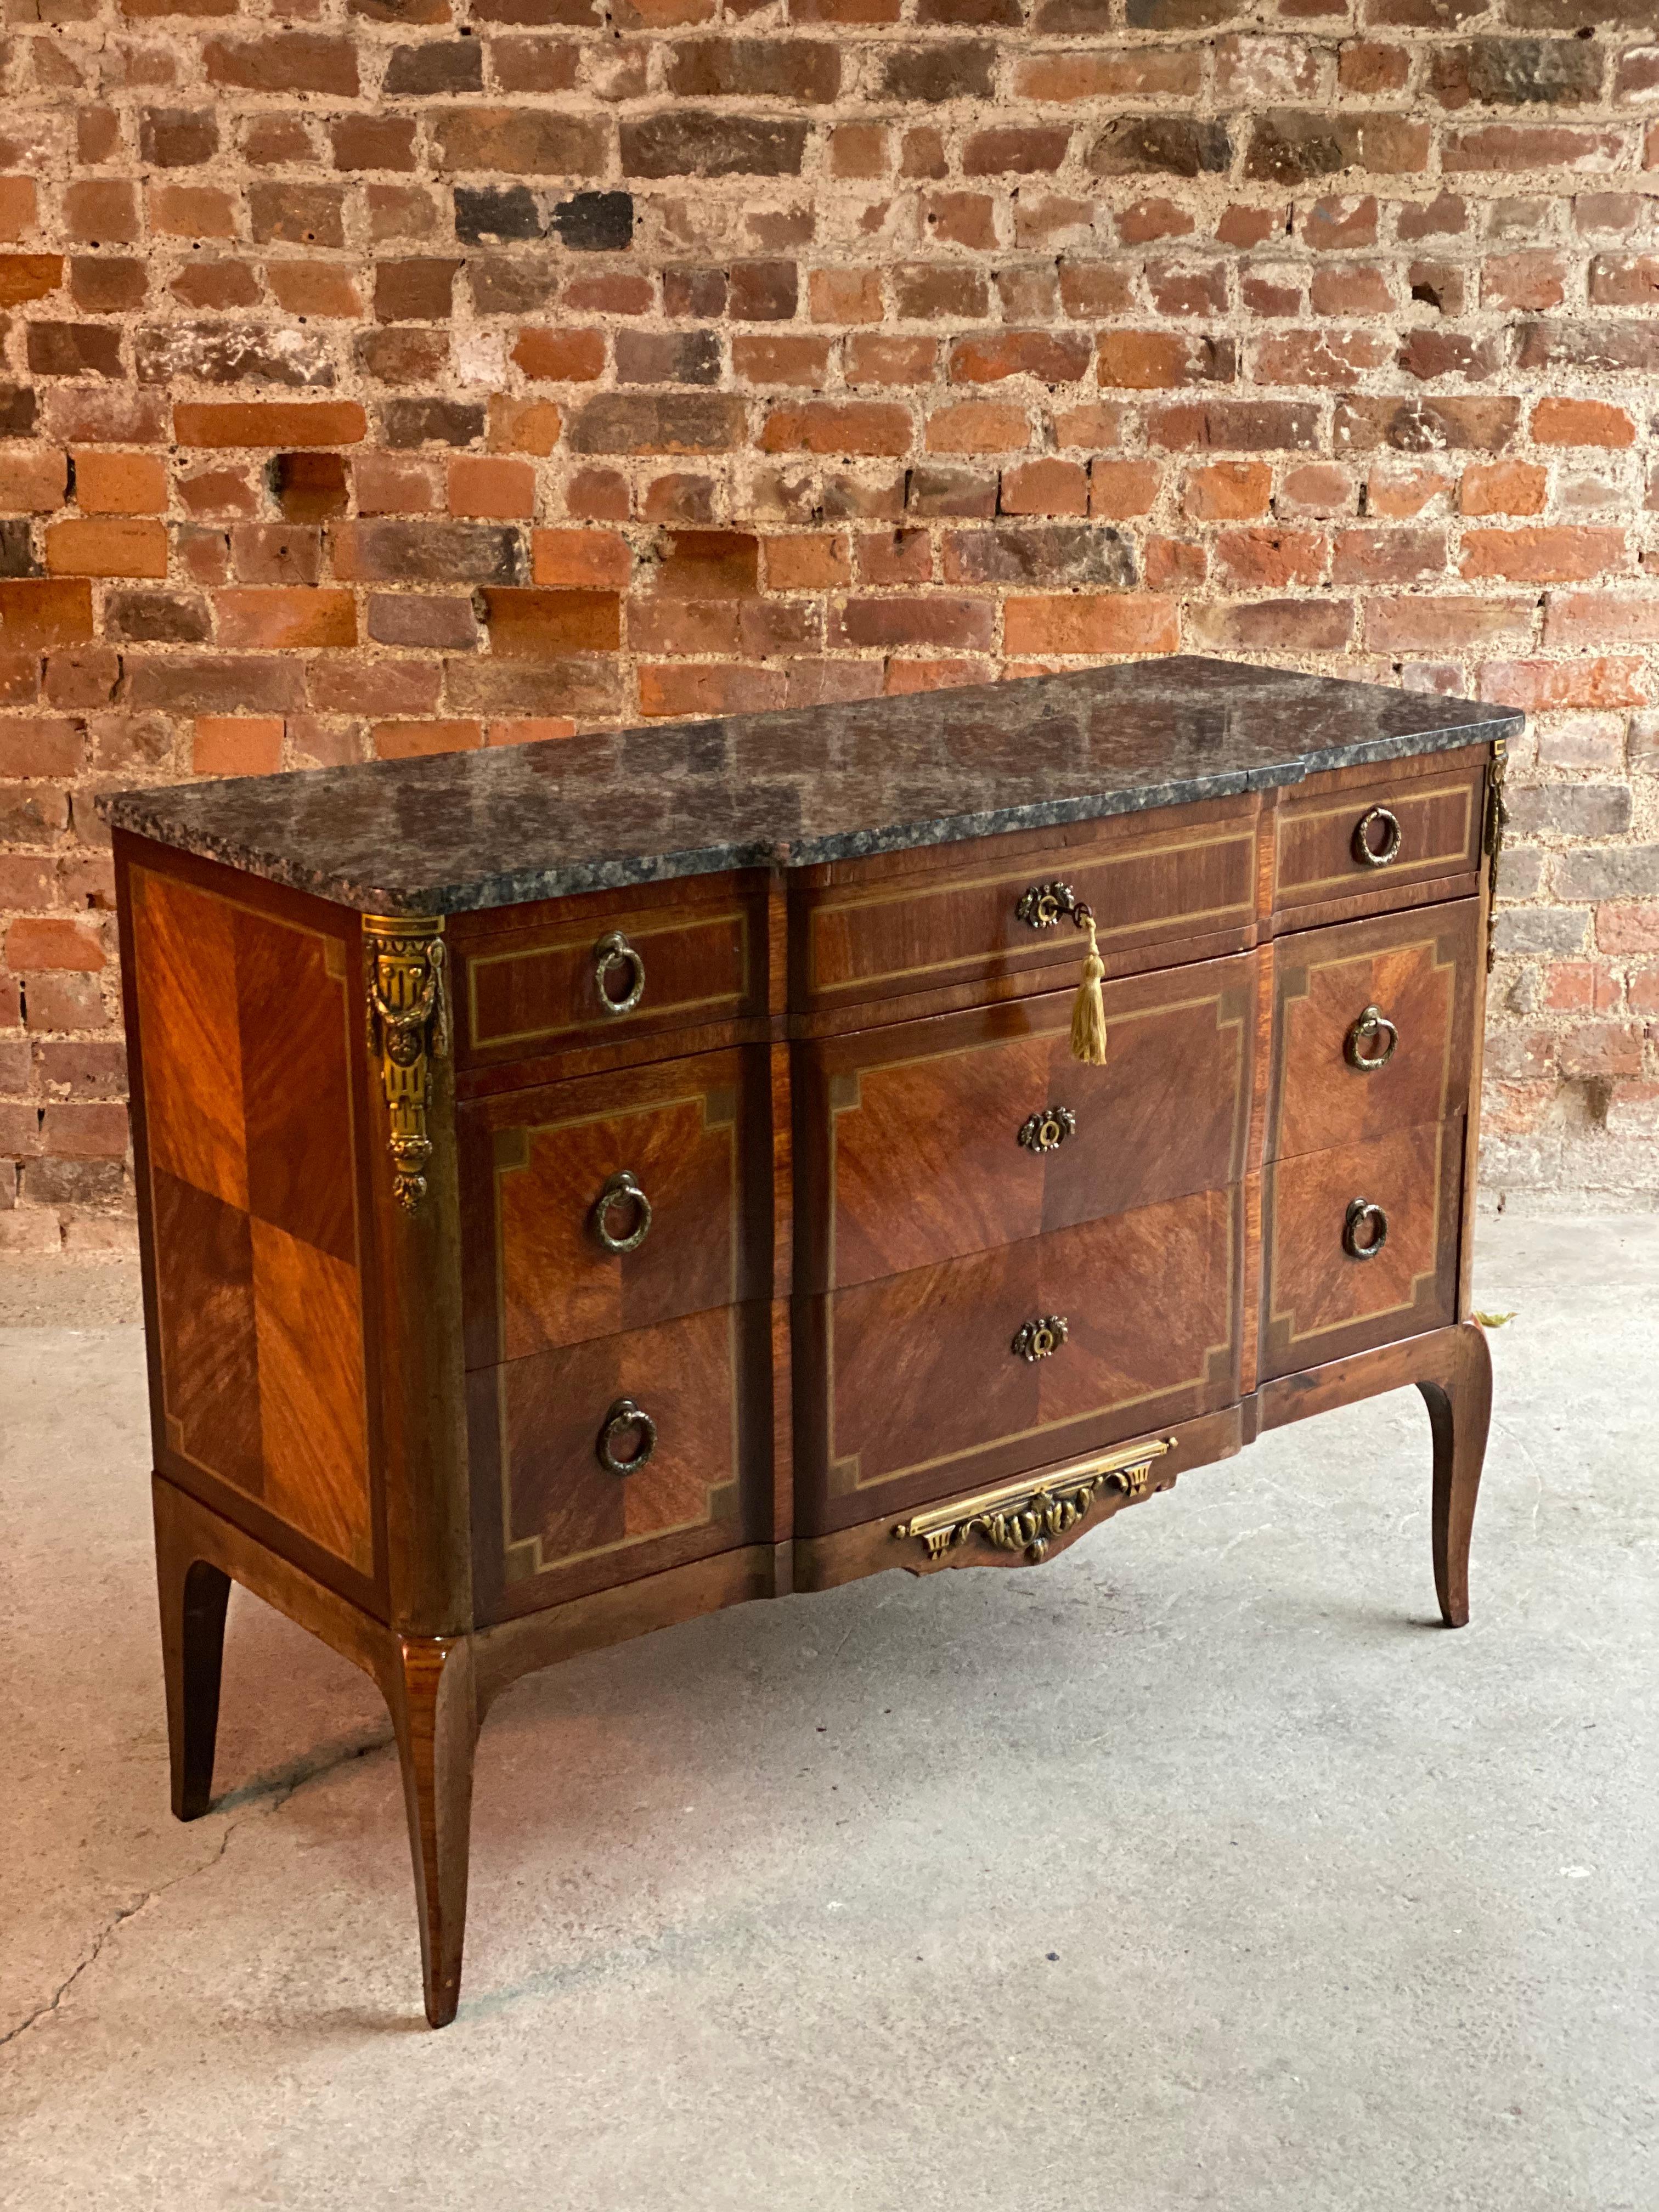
x: 587, y: 1184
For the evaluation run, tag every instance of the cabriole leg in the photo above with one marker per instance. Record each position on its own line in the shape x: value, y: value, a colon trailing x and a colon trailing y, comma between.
x: 1460, y: 1411
x: 193, y: 1594
x: 433, y: 1702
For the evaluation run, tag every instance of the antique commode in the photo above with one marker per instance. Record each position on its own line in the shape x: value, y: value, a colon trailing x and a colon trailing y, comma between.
x: 586, y: 1184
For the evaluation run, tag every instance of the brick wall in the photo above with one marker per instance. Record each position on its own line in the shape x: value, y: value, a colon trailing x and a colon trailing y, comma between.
x: 389, y: 375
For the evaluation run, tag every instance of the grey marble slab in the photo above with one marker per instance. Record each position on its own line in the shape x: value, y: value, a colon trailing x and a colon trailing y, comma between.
x: 456, y: 831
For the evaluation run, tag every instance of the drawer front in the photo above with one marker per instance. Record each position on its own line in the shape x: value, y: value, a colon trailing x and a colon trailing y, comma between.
x: 1323, y: 1301
x: 941, y: 927
x: 924, y: 1389
x: 599, y: 977
x: 932, y: 1140
x: 613, y: 1203
x: 1374, y: 837
x: 1374, y: 1026
x: 554, y: 1518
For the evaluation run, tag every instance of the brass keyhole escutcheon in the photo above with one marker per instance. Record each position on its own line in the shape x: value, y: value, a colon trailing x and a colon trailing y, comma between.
x: 622, y: 1190
x: 1042, y: 1338
x: 1044, y: 905
x: 1363, y: 1215
x: 626, y: 1418
x: 1371, y: 1027
x: 611, y: 953
x: 1046, y: 1131
x: 1370, y: 855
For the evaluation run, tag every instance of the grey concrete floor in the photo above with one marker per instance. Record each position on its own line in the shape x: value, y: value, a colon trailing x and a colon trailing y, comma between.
x: 1196, y: 1870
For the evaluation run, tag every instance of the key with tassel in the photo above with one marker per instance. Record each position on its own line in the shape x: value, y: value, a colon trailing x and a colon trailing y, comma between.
x: 1088, y: 1008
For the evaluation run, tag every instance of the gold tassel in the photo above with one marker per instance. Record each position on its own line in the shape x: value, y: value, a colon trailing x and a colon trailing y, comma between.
x: 1088, y: 1010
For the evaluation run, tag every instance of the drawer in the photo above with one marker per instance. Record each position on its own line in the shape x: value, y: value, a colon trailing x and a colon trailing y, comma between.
x: 1330, y: 1289
x: 926, y: 1380
x: 615, y: 1202
x: 1374, y: 1026
x: 912, y: 928
x: 601, y: 970
x: 555, y: 1510
x: 1375, y: 836
x: 929, y: 1140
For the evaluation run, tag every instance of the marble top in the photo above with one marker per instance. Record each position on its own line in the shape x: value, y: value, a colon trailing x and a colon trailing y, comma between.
x: 452, y: 832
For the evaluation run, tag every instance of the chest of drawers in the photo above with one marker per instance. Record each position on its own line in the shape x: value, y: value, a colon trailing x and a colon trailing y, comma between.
x: 589, y: 1184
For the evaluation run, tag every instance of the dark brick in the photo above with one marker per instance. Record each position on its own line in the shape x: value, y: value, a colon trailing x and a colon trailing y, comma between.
x: 588, y: 686
x: 17, y: 548
x: 418, y: 291
x: 1578, y: 15
x: 292, y: 61
x: 492, y: 211
x: 310, y: 487
x: 17, y: 410
x: 595, y: 222
x: 699, y: 142
x: 763, y: 291
x: 1239, y: 425
x: 441, y: 65
x: 235, y: 683
x: 401, y: 354
x: 427, y: 553
x: 1320, y: 625
x: 405, y: 423
x: 505, y: 284
x: 98, y: 1184
x: 1176, y: 146
x: 73, y: 349
x: 177, y: 137
x: 1625, y: 348
x: 372, y: 142
x: 297, y: 215
x: 157, y: 618
x: 1571, y: 810
x: 959, y: 68
x: 1041, y: 553
x: 1180, y: 14
x: 1516, y: 72
x: 668, y: 357
x: 681, y: 422
x: 807, y: 70
x: 538, y: 14
x: 1424, y: 426
x: 708, y: 564
x: 446, y: 623
x: 102, y: 286
x: 521, y: 142
x: 1288, y: 147
x: 694, y: 289
x: 231, y: 353
x: 942, y: 487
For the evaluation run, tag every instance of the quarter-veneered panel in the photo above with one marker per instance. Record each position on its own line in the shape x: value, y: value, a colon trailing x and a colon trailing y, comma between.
x: 1419, y: 971
x: 561, y: 1504
x: 292, y: 1008
x: 185, y: 948
x: 312, y: 1422
x: 1434, y: 822
x: 209, y: 1356
x: 920, y: 1124
x: 929, y: 1392
x: 1324, y: 1301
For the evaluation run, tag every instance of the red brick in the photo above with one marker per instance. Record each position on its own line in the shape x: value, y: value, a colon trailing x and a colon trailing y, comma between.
x: 1581, y: 422
x: 34, y: 943
x: 237, y: 744
x: 1545, y: 686
x: 405, y: 740
x: 1125, y: 623
x: 1388, y: 556
x: 1269, y: 559
x: 773, y: 359
x: 84, y: 1132
x: 1051, y: 357
x: 1119, y: 489
x: 978, y: 426
x: 1628, y: 927
x: 807, y: 564
x: 379, y: 688
x: 40, y: 747
x: 845, y: 295
x: 1319, y: 357
x: 838, y: 427
x: 1227, y: 491
x: 926, y: 619
x: 1153, y: 361
x: 286, y: 618
x: 1558, y: 554
x: 120, y: 484
x: 1530, y: 281
x: 543, y: 625
x: 525, y: 426
x: 1503, y: 487
x: 897, y: 557
x: 1600, y: 619
x: 269, y: 422
x: 33, y: 482
x: 1596, y: 1051
x: 1046, y: 487
x: 121, y: 548
x: 495, y: 489
x: 889, y: 361
x: 600, y: 559
x: 689, y: 690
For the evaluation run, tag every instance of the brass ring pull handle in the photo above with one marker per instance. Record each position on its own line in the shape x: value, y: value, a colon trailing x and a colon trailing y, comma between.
x: 1048, y: 1130
x: 1362, y: 1213
x: 1376, y: 856
x: 1044, y: 905
x: 622, y: 1190
x: 623, y: 1417
x: 616, y: 951
x: 1042, y: 1338
x: 1371, y: 1024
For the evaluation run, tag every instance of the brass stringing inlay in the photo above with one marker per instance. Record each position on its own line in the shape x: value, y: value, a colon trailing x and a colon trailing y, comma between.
x: 1026, y: 1517
x: 1497, y: 821
x: 408, y: 1030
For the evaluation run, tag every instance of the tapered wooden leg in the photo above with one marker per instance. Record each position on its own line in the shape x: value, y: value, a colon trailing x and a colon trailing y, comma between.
x: 434, y: 1711
x: 193, y: 1594
x: 1460, y: 1411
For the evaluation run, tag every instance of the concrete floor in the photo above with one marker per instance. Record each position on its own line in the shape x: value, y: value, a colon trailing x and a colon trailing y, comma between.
x: 1196, y: 1870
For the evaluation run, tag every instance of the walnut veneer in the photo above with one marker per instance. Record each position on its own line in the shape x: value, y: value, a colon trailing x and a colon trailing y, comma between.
x: 528, y: 1278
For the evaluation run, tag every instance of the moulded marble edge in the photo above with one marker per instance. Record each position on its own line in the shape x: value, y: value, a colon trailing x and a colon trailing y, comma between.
x: 161, y: 813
